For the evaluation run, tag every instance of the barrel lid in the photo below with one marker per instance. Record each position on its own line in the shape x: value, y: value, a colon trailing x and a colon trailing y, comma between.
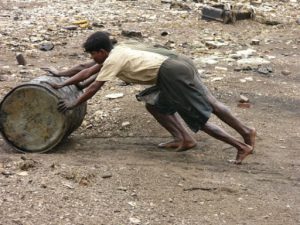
x: 29, y: 119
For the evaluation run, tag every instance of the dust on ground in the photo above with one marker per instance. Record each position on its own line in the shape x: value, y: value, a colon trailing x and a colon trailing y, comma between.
x: 109, y: 173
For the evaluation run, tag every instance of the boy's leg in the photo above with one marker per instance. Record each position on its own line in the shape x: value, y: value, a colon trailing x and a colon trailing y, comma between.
x: 223, y: 113
x: 218, y: 133
x: 182, y: 139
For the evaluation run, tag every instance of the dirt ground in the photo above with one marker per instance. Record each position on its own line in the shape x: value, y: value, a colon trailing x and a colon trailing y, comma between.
x: 109, y: 173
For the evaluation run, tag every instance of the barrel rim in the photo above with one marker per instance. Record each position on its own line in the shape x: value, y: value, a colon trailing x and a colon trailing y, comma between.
x: 23, y: 150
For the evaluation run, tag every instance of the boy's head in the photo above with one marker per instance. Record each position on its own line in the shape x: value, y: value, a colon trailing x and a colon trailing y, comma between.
x: 97, y: 41
x: 98, y: 45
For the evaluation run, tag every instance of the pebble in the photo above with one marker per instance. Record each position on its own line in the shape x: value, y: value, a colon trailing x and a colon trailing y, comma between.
x: 46, y: 46
x: 134, y: 220
x: 285, y: 72
x: 298, y: 21
x: 125, y: 124
x: 243, y: 99
x: 255, y: 42
x: 20, y: 59
x: 132, y: 33
x: 71, y: 27
x: 107, y: 175
x: 7, y: 173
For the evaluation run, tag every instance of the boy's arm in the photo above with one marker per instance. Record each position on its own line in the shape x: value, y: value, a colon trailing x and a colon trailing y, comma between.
x: 64, y: 105
x: 87, y: 82
x: 82, y: 75
x: 70, y: 72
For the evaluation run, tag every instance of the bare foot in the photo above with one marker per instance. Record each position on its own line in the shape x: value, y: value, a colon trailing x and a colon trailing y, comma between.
x: 250, y: 138
x: 170, y: 144
x: 178, y: 145
x: 186, y: 145
x: 242, y: 153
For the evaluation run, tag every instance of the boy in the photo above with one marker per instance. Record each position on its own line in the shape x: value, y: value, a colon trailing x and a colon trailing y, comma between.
x: 177, y: 88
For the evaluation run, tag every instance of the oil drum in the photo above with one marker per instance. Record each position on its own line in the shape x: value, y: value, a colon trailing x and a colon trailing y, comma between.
x: 29, y: 119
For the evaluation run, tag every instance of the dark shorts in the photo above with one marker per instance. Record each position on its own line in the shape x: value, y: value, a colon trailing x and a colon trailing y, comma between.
x: 180, y: 89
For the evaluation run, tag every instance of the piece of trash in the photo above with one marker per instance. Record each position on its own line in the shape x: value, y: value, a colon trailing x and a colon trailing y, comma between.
x: 214, y: 13
x: 227, y: 13
x: 114, y: 95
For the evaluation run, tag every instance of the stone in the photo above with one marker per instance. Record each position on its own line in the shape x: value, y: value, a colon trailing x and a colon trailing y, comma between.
x: 164, y: 33
x: 46, y: 46
x: 298, y: 21
x: 210, y: 60
x: 20, y: 59
x: 132, y: 33
x: 125, y: 124
x: 265, y: 69
x: 134, y: 220
x: 285, y: 72
x: 166, y: 1
x: 106, y: 175
x: 180, y: 6
x: 214, y: 44
x: 96, y: 24
x: 243, y: 54
x: 243, y: 99
x: 255, y: 42
x: 252, y: 63
x: 71, y: 27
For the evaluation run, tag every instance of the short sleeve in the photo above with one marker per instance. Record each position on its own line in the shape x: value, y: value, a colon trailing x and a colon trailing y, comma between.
x: 112, y: 66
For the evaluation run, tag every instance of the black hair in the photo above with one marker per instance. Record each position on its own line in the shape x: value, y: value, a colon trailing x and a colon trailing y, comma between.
x: 97, y: 41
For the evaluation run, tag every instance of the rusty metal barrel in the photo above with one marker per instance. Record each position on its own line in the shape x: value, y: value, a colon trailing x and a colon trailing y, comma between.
x: 29, y: 119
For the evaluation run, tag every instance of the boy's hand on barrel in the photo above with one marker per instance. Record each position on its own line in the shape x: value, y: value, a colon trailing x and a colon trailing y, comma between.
x: 64, y: 105
x: 51, y: 71
x: 53, y: 85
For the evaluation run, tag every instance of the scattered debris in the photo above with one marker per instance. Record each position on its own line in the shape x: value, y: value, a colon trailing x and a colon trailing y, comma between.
x: 82, y: 23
